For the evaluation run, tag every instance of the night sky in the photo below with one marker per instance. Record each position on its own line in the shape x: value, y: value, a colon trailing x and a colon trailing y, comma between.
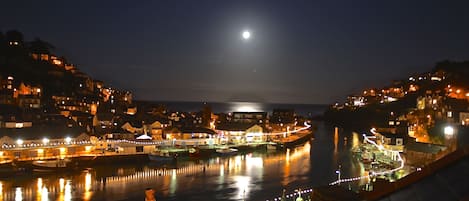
x: 300, y: 51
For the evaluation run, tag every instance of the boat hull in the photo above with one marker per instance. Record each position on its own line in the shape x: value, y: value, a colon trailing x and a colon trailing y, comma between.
x: 293, y: 143
x: 161, y: 158
x: 51, y: 165
x: 226, y: 152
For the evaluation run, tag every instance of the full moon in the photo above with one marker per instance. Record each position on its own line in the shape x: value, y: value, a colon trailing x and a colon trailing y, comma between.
x: 246, y: 35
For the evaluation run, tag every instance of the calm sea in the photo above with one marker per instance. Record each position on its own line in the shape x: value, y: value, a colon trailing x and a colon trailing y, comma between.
x: 307, y: 110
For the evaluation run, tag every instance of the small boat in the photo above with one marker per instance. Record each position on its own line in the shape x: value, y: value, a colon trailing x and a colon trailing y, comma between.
x: 366, y: 158
x: 162, y: 156
x: 51, y: 165
x: 194, y: 152
x: 226, y: 151
x: 273, y: 146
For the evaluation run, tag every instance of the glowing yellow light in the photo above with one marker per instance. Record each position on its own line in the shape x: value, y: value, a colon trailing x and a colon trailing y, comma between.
x: 63, y: 152
x: 87, y: 182
x: 61, y: 184
x: 39, y: 183
x: 88, y: 148
x: 68, y: 191
x: 68, y: 139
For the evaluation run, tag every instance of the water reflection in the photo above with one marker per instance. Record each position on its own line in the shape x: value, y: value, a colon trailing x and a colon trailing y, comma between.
x: 87, y: 194
x: 44, y: 194
x: 248, y: 176
x: 336, y: 141
x: 18, y: 194
x: 68, y: 191
x: 1, y: 190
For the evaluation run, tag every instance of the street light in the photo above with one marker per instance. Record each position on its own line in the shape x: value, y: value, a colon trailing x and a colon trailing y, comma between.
x: 338, y: 174
x: 19, y: 142
x: 45, y: 141
x: 68, y: 140
x: 449, y: 131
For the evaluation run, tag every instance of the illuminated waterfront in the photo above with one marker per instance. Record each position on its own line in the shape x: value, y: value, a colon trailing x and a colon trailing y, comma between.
x: 253, y: 176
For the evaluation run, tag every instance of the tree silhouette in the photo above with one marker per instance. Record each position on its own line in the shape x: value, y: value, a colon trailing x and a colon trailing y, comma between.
x: 39, y: 46
x: 14, y: 35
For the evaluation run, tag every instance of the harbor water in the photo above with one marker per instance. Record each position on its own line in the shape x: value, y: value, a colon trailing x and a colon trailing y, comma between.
x: 258, y: 175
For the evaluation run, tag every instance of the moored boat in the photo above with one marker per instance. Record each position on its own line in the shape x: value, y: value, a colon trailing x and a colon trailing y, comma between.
x: 162, y: 156
x: 51, y: 165
x: 226, y: 151
x: 273, y: 146
x: 194, y: 152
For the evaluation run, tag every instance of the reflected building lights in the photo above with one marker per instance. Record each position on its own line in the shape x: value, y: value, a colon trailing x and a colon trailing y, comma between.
x: 250, y: 165
x: 1, y: 190
x: 39, y: 184
x: 355, y: 140
x: 173, y: 184
x: 18, y: 194
x: 222, y: 170
x: 39, y: 189
x: 88, y: 193
x: 68, y: 191
x: 242, y: 184
x: 44, y: 194
x: 61, y: 184
x: 336, y: 140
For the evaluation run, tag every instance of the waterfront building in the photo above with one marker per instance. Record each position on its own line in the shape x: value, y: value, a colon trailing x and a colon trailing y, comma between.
x: 464, y: 118
x: 283, y: 116
x: 188, y: 133
x: 30, y: 146
x: 249, y: 117
x: 239, y: 133
x: 391, y: 142
x: 421, y: 154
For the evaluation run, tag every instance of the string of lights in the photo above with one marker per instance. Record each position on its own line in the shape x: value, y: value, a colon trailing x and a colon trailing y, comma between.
x: 381, y: 148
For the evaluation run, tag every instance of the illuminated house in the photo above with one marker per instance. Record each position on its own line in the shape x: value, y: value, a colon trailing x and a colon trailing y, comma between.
x: 70, y: 103
x: 241, y: 133
x: 103, y: 120
x: 283, y: 116
x: 429, y: 102
x: 29, y: 101
x: 421, y: 154
x: 464, y: 118
x: 188, y: 133
x: 28, y: 145
x: 11, y: 117
x: 133, y: 127
x: 391, y: 141
x: 249, y: 117
x: 154, y: 129
x: 356, y: 101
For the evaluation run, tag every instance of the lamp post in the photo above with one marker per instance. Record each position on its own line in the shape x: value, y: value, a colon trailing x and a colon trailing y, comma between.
x: 449, y: 132
x: 338, y: 174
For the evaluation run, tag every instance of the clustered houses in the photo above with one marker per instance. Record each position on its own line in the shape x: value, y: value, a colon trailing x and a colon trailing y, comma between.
x: 19, y: 94
x: 64, y: 106
x: 398, y: 90
x: 45, y: 95
x: 424, y: 112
